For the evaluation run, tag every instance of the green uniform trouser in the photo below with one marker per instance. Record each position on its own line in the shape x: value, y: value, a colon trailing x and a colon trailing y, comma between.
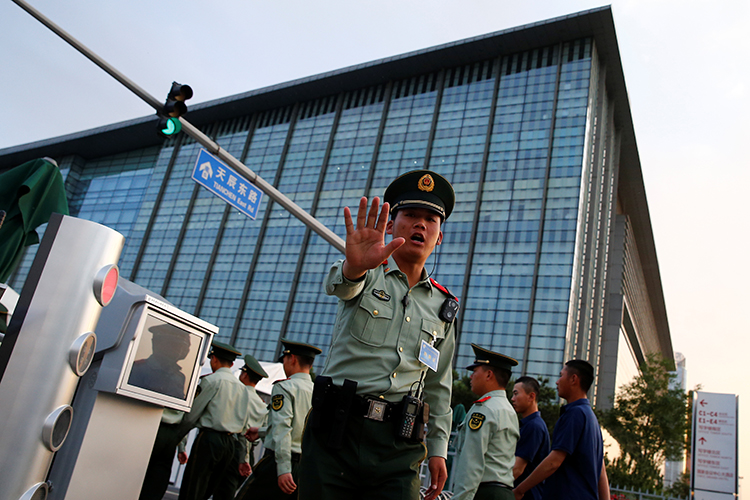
x: 371, y: 464
x: 211, y: 453
x: 230, y: 481
x: 156, y: 480
x: 263, y: 484
x: 489, y: 491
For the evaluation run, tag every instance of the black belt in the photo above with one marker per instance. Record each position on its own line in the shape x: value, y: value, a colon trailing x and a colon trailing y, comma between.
x: 496, y: 483
x: 208, y: 429
x: 377, y: 409
x: 272, y: 454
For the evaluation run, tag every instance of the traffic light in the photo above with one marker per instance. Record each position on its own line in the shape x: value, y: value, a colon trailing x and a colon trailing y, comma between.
x: 174, y: 108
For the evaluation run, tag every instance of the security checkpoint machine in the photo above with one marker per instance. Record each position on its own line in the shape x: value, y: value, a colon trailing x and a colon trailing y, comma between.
x: 83, y: 386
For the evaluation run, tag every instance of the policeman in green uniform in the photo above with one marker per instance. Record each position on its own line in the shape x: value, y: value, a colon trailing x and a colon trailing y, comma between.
x: 485, y: 451
x: 239, y: 468
x: 276, y: 474
x: 393, y: 340
x: 219, y: 410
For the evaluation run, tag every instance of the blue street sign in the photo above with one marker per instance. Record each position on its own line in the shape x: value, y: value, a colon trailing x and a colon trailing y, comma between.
x: 227, y: 184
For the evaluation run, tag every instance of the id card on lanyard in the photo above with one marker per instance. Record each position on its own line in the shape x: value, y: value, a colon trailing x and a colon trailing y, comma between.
x: 429, y: 355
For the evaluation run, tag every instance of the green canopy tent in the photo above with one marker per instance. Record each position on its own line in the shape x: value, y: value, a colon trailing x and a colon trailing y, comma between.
x: 29, y: 194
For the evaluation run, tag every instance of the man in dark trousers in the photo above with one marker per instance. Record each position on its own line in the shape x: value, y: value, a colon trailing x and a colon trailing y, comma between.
x: 239, y: 467
x: 575, y: 466
x: 275, y: 476
x: 533, y: 445
x: 170, y: 433
x: 391, y: 352
x: 220, y: 409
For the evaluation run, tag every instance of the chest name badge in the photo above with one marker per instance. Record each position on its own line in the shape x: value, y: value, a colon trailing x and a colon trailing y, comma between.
x: 380, y: 294
x: 429, y: 356
x: 277, y: 402
x: 476, y: 421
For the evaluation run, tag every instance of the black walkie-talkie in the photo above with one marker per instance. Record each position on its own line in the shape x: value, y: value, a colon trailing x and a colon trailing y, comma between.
x: 409, y: 413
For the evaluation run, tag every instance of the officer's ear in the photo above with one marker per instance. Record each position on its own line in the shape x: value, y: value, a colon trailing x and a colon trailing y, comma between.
x: 440, y: 238
x: 389, y: 227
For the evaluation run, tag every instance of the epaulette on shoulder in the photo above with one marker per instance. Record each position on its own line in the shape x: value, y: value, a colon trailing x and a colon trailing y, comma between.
x: 443, y: 289
x: 483, y: 399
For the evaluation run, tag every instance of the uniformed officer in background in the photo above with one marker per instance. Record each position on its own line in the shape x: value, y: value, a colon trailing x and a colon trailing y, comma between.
x: 485, y: 453
x: 239, y: 467
x: 276, y: 474
x: 220, y: 409
x: 391, y: 352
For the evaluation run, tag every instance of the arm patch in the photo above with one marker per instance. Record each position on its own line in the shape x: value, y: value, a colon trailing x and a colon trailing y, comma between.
x: 476, y: 421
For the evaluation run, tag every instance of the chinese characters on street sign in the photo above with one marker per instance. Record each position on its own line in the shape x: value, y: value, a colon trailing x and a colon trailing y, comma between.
x: 227, y: 184
x: 714, y: 471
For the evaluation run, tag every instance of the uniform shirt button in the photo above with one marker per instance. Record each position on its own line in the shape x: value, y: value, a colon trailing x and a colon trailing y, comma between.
x: 400, y: 349
x: 394, y: 375
x: 408, y: 319
x: 375, y: 312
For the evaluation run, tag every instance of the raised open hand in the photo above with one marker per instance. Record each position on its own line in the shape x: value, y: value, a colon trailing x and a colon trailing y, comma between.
x: 365, y: 243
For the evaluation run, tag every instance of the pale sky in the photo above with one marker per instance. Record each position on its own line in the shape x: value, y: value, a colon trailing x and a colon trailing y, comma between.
x: 685, y: 64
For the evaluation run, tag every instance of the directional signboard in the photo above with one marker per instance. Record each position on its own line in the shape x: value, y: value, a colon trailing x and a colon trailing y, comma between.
x: 227, y: 184
x: 714, y: 471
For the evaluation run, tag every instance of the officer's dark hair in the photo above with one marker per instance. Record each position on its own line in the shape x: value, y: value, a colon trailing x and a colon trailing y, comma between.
x: 530, y: 384
x: 253, y: 377
x: 305, y: 361
x: 501, y: 375
x: 223, y: 360
x: 584, y: 370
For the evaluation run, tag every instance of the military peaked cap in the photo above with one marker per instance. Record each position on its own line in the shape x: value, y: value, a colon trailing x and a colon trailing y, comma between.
x: 252, y: 365
x: 291, y: 347
x: 485, y: 357
x: 224, y: 351
x: 171, y: 331
x: 421, y: 189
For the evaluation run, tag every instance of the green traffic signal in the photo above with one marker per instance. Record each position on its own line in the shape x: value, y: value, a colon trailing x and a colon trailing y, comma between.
x: 174, y: 107
x: 170, y: 126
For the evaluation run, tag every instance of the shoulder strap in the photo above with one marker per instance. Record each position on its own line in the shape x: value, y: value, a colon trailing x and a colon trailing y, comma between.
x: 443, y: 289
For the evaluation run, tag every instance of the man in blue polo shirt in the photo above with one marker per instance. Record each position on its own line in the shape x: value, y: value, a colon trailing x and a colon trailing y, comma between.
x: 575, y: 466
x: 533, y: 445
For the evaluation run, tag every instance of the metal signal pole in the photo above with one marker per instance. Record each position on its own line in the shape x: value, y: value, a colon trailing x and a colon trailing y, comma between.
x: 214, y: 148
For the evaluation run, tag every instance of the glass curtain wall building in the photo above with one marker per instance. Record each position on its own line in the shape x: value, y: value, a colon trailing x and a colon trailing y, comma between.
x: 549, y: 248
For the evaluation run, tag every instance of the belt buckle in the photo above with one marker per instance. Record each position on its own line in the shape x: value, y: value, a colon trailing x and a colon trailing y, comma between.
x: 376, y: 410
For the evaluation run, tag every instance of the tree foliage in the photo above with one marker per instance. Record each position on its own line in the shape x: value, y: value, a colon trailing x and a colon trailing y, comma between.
x: 681, y: 487
x: 649, y: 421
x: 548, y: 403
x: 462, y: 392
